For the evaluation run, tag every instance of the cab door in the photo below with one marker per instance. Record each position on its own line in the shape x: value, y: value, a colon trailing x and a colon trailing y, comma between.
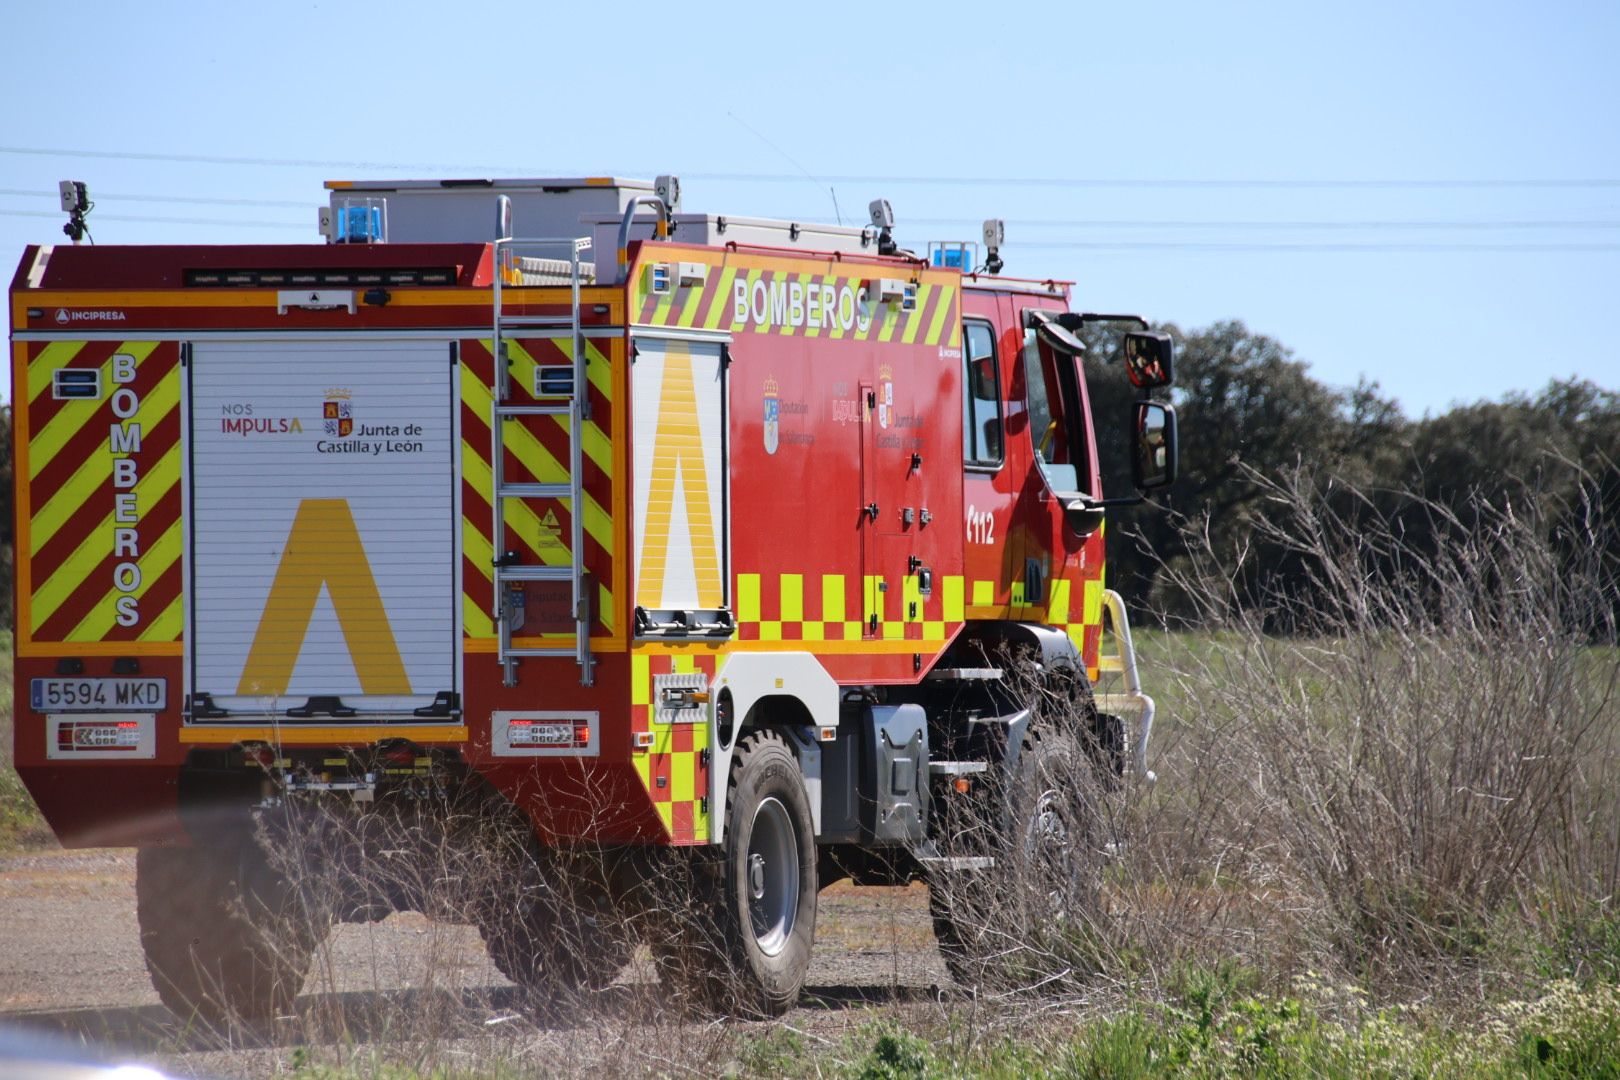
x: 1056, y: 440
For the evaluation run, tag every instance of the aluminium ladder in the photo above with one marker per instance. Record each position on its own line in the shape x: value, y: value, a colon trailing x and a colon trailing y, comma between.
x: 508, y: 574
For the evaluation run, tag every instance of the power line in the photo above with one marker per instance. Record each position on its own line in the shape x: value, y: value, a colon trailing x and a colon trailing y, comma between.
x: 206, y: 199
x: 928, y: 180
x: 1409, y: 223
x: 1026, y: 223
x: 1188, y: 246
x: 169, y: 220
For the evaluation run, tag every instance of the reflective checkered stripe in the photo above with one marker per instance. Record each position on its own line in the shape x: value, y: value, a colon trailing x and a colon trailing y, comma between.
x: 833, y: 607
x: 674, y: 769
x: 801, y: 303
x: 536, y: 451
x: 98, y: 559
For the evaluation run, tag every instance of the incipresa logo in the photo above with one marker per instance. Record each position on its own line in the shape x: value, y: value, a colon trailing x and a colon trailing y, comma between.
x: 64, y: 316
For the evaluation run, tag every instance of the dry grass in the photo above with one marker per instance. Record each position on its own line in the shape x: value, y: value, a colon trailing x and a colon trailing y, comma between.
x: 21, y: 826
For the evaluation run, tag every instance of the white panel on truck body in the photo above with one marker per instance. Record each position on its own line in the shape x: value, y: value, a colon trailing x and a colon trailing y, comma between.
x: 322, y: 539
x: 679, y: 474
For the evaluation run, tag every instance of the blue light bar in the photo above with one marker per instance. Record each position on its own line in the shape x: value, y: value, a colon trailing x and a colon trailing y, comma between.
x: 359, y: 225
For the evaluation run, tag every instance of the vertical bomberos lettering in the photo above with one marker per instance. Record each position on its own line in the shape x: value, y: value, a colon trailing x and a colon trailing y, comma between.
x: 124, y: 438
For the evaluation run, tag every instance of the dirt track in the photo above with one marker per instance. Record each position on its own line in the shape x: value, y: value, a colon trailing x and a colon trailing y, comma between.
x: 70, y: 963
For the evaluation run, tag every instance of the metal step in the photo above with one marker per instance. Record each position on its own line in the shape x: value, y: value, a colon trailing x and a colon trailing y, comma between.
x: 929, y: 858
x: 508, y: 321
x: 536, y: 491
x: 535, y: 573
x: 957, y: 768
x: 964, y: 674
x: 514, y: 650
x: 955, y: 863
x: 1009, y: 718
x: 562, y: 409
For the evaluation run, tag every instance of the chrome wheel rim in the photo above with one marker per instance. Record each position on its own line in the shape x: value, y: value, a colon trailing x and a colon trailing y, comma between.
x: 772, y: 876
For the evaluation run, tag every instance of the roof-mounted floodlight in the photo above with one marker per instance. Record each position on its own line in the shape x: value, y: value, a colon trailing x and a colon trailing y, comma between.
x: 668, y: 188
x: 995, y: 234
x: 75, y: 204
x: 883, y: 220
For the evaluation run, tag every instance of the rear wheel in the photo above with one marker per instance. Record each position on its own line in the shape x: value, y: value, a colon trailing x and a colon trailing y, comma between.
x: 226, y: 939
x: 746, y: 937
x: 550, y: 930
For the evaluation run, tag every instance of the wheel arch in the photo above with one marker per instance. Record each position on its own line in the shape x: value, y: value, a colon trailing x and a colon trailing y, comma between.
x: 786, y: 691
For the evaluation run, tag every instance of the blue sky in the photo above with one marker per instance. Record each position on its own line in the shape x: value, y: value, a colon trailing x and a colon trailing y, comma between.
x: 1188, y: 161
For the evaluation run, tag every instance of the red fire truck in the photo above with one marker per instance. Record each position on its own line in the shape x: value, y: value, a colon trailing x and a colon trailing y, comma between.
x: 689, y: 541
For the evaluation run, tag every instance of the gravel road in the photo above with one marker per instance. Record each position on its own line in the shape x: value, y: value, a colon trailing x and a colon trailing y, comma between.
x: 70, y: 964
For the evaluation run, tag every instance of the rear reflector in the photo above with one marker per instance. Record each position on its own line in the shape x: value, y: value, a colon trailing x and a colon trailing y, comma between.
x: 110, y: 735
x: 544, y: 734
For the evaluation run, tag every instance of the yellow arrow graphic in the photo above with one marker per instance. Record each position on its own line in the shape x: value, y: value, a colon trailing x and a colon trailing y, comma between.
x: 324, y: 549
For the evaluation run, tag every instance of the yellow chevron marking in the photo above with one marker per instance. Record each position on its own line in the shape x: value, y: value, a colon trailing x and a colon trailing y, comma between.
x: 89, y: 477
x: 520, y: 517
x: 690, y: 304
x: 596, y: 363
x: 169, y: 625
x: 678, y: 453
x: 723, y: 300
x: 476, y: 548
x: 914, y: 317
x: 70, y: 576
x: 324, y: 548
x: 155, y: 559
x: 528, y: 449
x: 475, y: 621
x: 660, y: 315
x: 892, y: 316
x: 947, y: 304
x: 58, y: 354
x: 45, y: 443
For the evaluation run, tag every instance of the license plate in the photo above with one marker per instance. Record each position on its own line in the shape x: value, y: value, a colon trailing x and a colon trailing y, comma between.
x: 98, y: 695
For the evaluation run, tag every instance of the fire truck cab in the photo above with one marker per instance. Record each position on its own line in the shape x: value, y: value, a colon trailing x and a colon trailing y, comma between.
x: 737, y: 553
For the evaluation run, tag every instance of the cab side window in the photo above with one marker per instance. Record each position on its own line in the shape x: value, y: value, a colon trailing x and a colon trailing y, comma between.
x: 1054, y: 413
x: 981, y: 399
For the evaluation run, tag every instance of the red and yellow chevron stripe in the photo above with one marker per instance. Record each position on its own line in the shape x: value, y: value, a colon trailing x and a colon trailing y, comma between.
x: 817, y: 300
x: 536, y: 451
x: 98, y: 557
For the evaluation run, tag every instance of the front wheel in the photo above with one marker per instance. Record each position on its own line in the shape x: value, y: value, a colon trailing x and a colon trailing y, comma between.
x: 746, y: 942
x: 1031, y: 917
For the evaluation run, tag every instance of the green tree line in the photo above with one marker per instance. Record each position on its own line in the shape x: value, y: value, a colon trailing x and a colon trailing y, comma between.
x: 1249, y: 409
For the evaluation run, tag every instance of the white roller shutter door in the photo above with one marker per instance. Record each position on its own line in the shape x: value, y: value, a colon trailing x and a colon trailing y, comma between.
x: 322, y: 543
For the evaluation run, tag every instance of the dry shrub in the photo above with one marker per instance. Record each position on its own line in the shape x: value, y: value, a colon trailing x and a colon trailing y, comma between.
x: 1390, y: 757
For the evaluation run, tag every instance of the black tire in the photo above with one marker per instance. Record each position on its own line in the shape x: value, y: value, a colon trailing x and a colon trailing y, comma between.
x: 550, y: 930
x: 746, y: 935
x: 1027, y: 919
x: 226, y: 939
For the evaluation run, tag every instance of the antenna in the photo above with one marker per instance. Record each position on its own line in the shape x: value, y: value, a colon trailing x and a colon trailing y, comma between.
x: 791, y: 161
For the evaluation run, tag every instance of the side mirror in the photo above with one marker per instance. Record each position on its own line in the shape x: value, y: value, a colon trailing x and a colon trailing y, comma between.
x: 1082, y: 516
x: 1149, y: 359
x: 1153, y: 434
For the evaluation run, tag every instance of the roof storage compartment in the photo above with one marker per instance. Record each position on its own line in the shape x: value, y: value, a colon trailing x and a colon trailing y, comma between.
x: 445, y: 211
